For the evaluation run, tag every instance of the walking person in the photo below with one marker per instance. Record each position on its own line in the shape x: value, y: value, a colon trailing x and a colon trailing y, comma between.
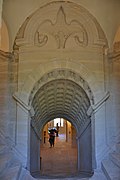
x: 57, y: 129
x: 52, y: 137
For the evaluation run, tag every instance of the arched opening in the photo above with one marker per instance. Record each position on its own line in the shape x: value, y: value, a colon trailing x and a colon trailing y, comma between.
x: 55, y: 99
x: 58, y: 73
x: 60, y: 159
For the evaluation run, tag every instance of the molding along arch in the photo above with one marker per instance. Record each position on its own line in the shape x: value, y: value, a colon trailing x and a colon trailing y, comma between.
x: 69, y: 27
x: 75, y: 22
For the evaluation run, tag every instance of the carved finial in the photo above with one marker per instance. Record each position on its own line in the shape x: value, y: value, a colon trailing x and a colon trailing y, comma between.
x: 61, y: 17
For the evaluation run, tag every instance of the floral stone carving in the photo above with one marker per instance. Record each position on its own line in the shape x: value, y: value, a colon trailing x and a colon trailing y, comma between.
x: 61, y: 30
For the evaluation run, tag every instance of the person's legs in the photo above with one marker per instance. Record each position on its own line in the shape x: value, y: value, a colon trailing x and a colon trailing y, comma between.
x: 57, y: 133
x: 50, y: 140
x: 53, y: 141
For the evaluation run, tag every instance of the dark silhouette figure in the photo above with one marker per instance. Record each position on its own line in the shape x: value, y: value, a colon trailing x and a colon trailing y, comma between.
x: 52, y: 137
x: 57, y: 129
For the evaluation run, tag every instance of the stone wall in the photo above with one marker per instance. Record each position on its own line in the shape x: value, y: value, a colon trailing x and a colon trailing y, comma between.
x: 43, y: 53
x: 106, y: 12
x: 4, y: 108
x: 112, y: 113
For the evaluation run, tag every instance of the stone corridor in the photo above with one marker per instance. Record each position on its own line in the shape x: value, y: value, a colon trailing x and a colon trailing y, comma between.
x: 60, y: 162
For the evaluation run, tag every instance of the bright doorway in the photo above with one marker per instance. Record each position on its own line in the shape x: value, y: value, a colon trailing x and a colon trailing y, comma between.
x: 60, y: 160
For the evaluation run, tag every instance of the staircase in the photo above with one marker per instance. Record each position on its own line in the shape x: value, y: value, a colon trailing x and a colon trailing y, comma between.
x: 111, y: 166
x: 10, y: 167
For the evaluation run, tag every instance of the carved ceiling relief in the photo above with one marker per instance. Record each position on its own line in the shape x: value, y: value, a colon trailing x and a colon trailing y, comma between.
x: 62, y: 97
x: 61, y: 31
x: 62, y: 74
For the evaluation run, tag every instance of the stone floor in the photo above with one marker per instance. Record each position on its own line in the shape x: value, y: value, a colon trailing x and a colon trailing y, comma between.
x: 60, y: 162
x: 60, y: 159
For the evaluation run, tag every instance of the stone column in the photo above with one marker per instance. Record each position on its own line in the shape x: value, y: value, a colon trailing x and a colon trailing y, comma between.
x: 27, y: 140
x: 79, y: 159
x: 93, y: 139
x: 100, y: 138
x: 22, y: 134
x: 35, y: 159
x: 85, y: 150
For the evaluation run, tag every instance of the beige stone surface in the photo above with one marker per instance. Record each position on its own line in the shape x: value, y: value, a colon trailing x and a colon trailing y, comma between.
x: 61, y: 62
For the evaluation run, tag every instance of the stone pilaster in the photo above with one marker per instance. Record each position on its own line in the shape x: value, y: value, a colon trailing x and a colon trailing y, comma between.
x: 114, y: 58
x: 7, y: 122
x: 4, y: 113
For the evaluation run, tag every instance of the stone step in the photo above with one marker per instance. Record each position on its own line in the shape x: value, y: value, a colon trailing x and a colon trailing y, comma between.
x: 12, y: 173
x: 118, y: 148
x: 111, y: 171
x: 2, y: 148
x: 25, y: 175
x: 98, y: 175
x: 5, y: 161
x: 22, y: 174
x: 80, y: 176
x: 115, y: 158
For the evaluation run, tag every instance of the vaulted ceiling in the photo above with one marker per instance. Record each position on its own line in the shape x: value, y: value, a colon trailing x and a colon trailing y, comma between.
x: 60, y: 98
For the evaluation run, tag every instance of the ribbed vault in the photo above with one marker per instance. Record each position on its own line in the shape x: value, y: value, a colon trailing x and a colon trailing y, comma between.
x: 60, y: 98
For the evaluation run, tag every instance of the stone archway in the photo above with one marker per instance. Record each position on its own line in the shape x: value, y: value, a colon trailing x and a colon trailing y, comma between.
x: 62, y: 98
x: 63, y: 156
x: 75, y: 53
